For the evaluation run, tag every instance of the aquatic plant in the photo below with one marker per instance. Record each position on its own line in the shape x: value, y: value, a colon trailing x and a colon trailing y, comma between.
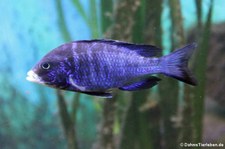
x: 162, y: 117
x: 178, y: 107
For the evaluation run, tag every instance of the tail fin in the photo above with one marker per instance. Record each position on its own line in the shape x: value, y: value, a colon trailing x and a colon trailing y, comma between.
x: 176, y: 64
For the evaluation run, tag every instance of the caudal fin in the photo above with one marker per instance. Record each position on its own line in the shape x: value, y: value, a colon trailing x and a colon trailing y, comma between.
x: 176, y: 64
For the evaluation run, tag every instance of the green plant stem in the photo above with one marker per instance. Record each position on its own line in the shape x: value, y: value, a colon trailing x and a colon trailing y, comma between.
x: 68, y: 121
x: 200, y: 69
x: 138, y: 129
x: 67, y: 124
x: 153, y: 35
x: 169, y: 90
x: 177, y: 31
x: 120, y: 30
x: 94, y: 22
x: 106, y: 15
x: 61, y: 21
x: 187, y: 123
x: 194, y: 97
x: 107, y: 138
x: 80, y: 9
x: 198, y: 4
x: 124, y: 19
x: 75, y: 105
x: 152, y: 30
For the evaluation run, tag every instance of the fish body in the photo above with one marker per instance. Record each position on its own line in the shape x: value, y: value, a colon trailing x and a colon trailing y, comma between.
x: 96, y: 67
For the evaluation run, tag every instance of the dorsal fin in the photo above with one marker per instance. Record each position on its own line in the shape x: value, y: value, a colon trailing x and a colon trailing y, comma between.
x: 142, y: 49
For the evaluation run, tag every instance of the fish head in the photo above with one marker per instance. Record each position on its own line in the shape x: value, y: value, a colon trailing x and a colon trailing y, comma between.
x: 52, y: 70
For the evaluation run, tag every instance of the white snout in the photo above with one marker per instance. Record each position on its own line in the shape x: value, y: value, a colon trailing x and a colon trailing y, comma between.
x: 33, y: 77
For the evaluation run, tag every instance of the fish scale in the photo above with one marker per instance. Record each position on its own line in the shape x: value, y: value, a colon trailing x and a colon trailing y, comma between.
x: 117, y: 68
x: 96, y: 66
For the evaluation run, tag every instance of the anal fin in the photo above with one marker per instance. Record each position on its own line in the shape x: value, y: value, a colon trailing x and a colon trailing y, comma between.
x: 143, y: 84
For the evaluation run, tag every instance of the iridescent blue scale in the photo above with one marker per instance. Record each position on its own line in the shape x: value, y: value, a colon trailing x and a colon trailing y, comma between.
x: 96, y: 66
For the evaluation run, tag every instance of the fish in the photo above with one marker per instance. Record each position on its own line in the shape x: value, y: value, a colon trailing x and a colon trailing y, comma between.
x: 101, y: 66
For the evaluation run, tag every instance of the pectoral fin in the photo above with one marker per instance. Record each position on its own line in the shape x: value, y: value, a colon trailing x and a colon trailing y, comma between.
x: 74, y: 84
x: 143, y: 84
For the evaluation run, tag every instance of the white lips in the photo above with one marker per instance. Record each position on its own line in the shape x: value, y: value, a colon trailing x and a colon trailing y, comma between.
x: 33, y: 77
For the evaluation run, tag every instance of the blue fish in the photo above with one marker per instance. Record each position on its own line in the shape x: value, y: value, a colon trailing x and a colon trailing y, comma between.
x: 97, y: 67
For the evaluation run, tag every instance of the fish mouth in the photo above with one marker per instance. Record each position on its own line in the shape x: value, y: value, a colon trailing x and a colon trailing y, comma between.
x: 33, y: 77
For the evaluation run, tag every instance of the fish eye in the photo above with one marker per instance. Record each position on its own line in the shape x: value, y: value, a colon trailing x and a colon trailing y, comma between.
x: 45, y: 65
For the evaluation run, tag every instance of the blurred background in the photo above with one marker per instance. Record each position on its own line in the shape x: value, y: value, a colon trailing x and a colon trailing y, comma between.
x: 35, y: 116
